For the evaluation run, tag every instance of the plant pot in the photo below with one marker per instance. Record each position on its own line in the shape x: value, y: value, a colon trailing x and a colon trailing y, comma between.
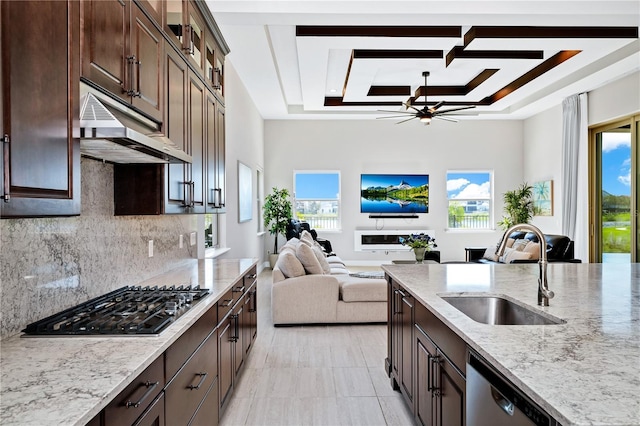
x: 273, y: 258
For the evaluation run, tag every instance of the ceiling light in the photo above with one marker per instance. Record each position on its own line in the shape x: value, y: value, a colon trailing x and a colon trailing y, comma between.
x: 333, y: 90
x: 425, y: 120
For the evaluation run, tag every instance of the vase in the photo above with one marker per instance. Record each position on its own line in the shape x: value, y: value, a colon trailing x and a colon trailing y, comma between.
x: 419, y: 252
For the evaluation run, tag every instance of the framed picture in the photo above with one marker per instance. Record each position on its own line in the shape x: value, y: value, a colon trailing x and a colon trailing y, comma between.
x: 245, y: 193
x: 543, y: 198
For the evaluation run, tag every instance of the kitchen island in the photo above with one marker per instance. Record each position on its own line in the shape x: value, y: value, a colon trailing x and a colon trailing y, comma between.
x: 585, y: 371
x: 69, y: 380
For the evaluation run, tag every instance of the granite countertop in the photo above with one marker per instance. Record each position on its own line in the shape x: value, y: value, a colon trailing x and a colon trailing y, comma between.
x: 583, y: 372
x: 68, y: 380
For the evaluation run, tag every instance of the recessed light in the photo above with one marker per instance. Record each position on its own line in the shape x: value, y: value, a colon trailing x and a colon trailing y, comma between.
x: 333, y: 90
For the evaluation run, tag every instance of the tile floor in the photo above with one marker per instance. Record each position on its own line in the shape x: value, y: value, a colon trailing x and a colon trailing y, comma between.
x: 314, y: 375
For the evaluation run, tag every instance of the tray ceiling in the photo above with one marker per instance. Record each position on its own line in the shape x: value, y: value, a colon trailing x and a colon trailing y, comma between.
x: 350, y: 59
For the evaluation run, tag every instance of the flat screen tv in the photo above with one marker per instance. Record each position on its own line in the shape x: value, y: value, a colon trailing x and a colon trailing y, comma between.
x: 394, y: 194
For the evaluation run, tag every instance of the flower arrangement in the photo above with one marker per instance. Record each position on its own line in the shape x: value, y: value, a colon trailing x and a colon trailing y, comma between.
x: 421, y: 240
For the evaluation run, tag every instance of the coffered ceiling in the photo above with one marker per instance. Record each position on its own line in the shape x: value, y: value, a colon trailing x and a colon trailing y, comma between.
x: 303, y: 59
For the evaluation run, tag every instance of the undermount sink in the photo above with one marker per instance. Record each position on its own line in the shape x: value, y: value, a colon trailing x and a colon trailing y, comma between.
x: 494, y: 310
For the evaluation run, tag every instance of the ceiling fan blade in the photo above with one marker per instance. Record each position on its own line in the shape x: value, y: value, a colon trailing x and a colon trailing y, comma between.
x: 395, y: 116
x: 454, y: 109
x: 410, y: 106
x: 436, y: 106
x: 439, y: 117
x: 404, y: 121
x: 397, y: 112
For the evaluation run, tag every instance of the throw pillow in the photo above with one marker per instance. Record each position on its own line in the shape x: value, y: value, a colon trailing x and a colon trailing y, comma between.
x: 533, y: 249
x: 309, y: 261
x: 322, y: 259
x: 510, y: 242
x: 519, y: 245
x: 490, y: 254
x: 305, y: 237
x: 289, y: 264
x: 516, y: 255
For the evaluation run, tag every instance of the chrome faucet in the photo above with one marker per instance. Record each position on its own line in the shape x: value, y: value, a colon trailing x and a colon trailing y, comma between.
x: 544, y: 294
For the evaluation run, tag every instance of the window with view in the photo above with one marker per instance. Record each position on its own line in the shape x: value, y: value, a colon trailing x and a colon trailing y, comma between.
x: 470, y: 200
x: 317, y: 198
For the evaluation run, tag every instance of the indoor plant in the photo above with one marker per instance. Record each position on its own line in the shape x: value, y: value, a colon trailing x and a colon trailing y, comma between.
x: 518, y: 206
x: 277, y: 214
x: 420, y: 244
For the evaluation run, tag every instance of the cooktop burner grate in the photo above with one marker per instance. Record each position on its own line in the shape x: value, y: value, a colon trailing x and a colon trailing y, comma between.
x: 126, y: 311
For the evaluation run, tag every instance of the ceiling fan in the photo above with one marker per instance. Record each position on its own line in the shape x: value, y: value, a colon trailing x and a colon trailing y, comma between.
x: 426, y: 114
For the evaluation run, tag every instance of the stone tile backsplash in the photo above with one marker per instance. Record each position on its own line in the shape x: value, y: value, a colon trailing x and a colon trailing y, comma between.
x: 50, y: 264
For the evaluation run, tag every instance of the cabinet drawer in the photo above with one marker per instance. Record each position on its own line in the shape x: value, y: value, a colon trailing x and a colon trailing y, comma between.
x: 208, y: 411
x: 181, y: 349
x: 185, y: 393
x: 250, y: 278
x: 449, y: 342
x: 225, y: 303
x: 134, y: 400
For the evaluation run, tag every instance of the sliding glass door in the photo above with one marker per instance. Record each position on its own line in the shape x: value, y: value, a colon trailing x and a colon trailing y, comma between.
x: 614, y: 187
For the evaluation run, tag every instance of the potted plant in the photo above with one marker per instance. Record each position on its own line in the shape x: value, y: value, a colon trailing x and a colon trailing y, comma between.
x: 420, y: 244
x: 277, y: 214
x: 518, y: 206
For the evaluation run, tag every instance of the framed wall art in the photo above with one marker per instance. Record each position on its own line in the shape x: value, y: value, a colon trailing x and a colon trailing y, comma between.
x: 543, y: 198
x: 245, y: 193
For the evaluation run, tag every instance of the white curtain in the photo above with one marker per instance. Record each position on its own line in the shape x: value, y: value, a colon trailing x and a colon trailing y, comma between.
x: 574, y: 172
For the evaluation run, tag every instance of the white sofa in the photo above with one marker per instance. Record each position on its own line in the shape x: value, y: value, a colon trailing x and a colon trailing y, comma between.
x: 309, y: 288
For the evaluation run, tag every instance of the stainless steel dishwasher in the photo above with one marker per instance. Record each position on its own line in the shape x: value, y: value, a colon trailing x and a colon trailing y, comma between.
x: 493, y: 401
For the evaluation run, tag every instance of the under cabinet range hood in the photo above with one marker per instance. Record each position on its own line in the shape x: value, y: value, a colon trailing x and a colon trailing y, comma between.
x: 110, y: 134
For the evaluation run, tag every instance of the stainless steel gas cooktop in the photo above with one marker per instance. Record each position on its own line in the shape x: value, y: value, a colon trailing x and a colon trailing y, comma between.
x: 126, y: 311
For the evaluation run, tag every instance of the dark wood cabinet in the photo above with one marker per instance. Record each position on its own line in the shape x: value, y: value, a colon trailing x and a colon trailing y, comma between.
x: 154, y: 416
x: 40, y: 169
x: 401, y: 325
x: 208, y: 411
x: 189, y: 387
x: 226, y: 346
x: 215, y: 191
x: 426, y: 361
x: 133, y: 401
x: 123, y: 53
x: 250, y: 320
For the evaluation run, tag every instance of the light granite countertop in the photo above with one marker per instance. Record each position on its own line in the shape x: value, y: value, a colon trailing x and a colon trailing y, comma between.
x: 583, y: 372
x: 68, y: 380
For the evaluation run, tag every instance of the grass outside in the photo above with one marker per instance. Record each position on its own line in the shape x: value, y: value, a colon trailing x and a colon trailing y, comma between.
x: 616, y: 240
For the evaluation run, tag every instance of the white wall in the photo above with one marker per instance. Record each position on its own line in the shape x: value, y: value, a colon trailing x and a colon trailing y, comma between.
x: 245, y: 142
x: 615, y: 100
x: 376, y: 146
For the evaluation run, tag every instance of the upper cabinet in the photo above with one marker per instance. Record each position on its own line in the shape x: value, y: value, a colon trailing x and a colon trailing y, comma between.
x: 123, y: 52
x: 40, y: 170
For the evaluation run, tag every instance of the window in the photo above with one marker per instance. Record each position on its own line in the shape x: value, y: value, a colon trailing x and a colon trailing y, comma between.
x: 470, y: 198
x: 317, y: 198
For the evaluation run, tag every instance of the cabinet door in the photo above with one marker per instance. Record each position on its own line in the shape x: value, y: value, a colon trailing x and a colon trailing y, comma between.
x: 238, y: 352
x: 424, y: 397
x: 225, y: 360
x: 451, y: 401
x: 175, y: 127
x: 406, y: 371
x: 396, y: 334
x: 196, y: 185
x: 147, y: 52
x: 211, y: 194
x: 195, y: 37
x: 220, y: 158
x: 40, y: 74
x: 106, y: 25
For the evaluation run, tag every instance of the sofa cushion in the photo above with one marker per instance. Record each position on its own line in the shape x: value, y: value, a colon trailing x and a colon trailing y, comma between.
x: 309, y: 261
x: 306, y: 237
x: 490, y: 254
x: 355, y: 289
x: 520, y: 244
x: 339, y: 270
x: 511, y: 254
x: 289, y: 264
x: 322, y: 259
x: 533, y: 249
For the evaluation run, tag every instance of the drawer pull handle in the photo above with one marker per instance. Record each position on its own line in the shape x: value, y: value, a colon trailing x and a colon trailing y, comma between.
x: 150, y: 387
x: 227, y: 303
x: 253, y: 276
x: 238, y: 289
x: 203, y: 377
